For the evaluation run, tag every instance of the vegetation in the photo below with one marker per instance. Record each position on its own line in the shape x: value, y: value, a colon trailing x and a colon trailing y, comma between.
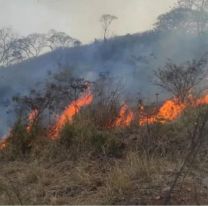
x: 180, y: 80
x: 77, y: 142
x: 93, y: 163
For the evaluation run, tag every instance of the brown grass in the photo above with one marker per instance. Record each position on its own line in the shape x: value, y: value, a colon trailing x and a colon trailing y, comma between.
x: 92, y: 165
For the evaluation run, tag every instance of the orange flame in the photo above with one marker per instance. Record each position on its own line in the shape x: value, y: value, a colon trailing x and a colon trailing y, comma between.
x: 31, y: 119
x: 70, y: 111
x: 170, y: 110
x: 125, y: 117
x: 202, y: 100
x: 3, y: 144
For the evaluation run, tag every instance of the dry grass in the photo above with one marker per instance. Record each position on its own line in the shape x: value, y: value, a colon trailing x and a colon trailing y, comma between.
x: 135, y: 172
x: 133, y: 179
x: 90, y: 165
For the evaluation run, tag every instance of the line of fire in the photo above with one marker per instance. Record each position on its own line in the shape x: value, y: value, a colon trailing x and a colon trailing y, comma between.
x: 170, y: 110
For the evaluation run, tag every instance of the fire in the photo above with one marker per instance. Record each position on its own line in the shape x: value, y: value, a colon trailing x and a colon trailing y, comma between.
x: 70, y: 111
x: 31, y: 119
x: 3, y: 144
x: 170, y: 110
x: 202, y: 100
x: 125, y: 117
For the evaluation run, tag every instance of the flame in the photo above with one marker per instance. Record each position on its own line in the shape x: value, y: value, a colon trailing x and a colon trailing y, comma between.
x: 125, y: 117
x: 70, y: 111
x: 202, y: 100
x: 3, y: 144
x: 31, y: 119
x: 169, y: 111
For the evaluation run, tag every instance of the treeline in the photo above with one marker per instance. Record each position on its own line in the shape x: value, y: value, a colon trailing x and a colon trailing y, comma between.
x: 15, y: 48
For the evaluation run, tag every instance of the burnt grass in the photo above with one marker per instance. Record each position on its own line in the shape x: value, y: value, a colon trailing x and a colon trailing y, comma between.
x: 89, y: 164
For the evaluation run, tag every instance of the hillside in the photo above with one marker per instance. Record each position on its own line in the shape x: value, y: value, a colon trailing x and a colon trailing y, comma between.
x: 130, y: 59
x: 118, y: 121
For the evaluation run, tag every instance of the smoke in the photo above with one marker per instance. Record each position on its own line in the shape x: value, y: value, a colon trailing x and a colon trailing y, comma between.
x: 131, y: 60
x: 80, y: 18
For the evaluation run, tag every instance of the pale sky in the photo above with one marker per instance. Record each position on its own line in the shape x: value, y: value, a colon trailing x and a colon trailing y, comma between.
x: 80, y: 18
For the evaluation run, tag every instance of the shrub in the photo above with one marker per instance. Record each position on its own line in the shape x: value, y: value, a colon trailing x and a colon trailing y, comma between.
x: 21, y: 141
x: 106, y: 143
x: 78, y: 138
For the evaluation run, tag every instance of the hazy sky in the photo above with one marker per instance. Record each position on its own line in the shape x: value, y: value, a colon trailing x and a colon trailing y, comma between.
x: 80, y: 18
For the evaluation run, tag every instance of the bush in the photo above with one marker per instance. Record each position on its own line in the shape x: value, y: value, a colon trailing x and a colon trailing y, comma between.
x: 106, y: 143
x: 21, y: 141
x: 77, y: 139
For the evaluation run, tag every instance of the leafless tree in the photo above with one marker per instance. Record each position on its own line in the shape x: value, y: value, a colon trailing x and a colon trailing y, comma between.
x: 77, y: 43
x: 6, y: 37
x: 186, y: 3
x: 193, y: 4
x: 18, y: 51
x: 14, y: 49
x: 179, y: 80
x: 26, y: 47
x: 59, y: 39
x: 106, y: 21
x: 201, y: 7
x: 35, y: 44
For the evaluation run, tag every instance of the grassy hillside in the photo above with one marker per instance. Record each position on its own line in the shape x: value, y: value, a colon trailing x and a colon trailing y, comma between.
x: 84, y: 124
x: 89, y: 163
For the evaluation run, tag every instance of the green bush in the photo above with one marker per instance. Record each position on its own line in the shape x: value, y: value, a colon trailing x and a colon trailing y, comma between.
x: 86, y: 138
x: 21, y: 141
x: 107, y: 144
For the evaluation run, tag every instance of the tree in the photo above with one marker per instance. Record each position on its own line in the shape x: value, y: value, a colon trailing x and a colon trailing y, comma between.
x: 201, y: 7
x: 188, y: 4
x: 194, y: 4
x: 179, y: 80
x: 106, y: 20
x: 182, y: 19
x: 77, y: 43
x: 35, y: 43
x: 15, y: 49
x: 26, y: 47
x: 59, y: 39
x: 19, y: 51
x: 6, y: 37
x: 16, y: 53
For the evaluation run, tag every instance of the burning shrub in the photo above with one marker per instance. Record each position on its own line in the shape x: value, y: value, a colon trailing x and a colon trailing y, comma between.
x: 52, y: 99
x: 21, y: 141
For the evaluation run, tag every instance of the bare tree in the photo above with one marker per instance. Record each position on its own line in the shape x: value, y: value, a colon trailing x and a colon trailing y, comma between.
x: 35, y: 44
x: 15, y: 49
x: 77, y: 43
x: 193, y: 4
x: 19, y: 51
x: 106, y: 20
x: 179, y: 80
x: 201, y: 7
x: 6, y: 37
x: 59, y: 39
x: 186, y: 3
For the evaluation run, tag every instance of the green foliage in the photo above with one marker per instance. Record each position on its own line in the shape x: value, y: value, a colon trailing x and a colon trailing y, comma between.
x: 20, y: 140
x: 86, y: 138
x: 106, y: 143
